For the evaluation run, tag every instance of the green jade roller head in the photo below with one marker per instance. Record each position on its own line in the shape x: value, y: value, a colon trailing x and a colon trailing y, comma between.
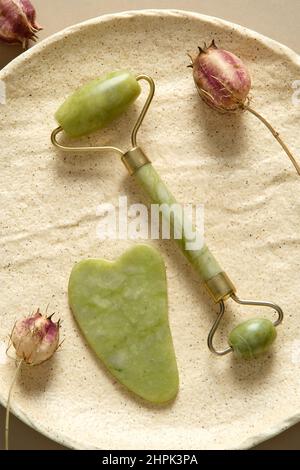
x: 94, y: 106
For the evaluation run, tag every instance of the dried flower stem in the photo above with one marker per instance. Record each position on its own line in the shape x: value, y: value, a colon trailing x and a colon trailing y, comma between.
x: 276, y: 135
x: 224, y: 82
x: 8, y: 403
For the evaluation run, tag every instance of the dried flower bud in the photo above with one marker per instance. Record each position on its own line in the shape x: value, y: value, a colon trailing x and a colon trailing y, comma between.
x: 35, y: 338
x: 223, y: 82
x: 17, y: 22
x: 221, y: 78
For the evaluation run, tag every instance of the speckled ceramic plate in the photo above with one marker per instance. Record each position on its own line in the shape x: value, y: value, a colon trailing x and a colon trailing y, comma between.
x: 48, y: 218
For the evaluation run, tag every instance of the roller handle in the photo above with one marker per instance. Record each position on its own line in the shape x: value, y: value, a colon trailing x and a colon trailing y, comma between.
x: 203, y: 261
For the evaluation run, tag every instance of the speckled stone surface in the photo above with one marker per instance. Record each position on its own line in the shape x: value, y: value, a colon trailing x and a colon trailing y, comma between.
x: 121, y: 308
x: 49, y: 221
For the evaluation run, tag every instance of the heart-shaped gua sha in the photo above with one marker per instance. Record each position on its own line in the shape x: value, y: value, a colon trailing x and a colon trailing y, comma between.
x: 122, y: 310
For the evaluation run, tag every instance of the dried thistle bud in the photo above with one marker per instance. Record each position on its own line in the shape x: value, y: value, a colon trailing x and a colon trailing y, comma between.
x: 35, y: 338
x: 18, y: 22
x: 221, y: 78
x: 223, y: 82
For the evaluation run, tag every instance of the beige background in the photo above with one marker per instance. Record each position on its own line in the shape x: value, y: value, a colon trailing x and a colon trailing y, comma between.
x: 275, y: 18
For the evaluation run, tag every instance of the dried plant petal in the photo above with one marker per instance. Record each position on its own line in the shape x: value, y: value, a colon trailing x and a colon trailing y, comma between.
x: 221, y: 78
x: 18, y: 22
x: 35, y: 338
x: 223, y: 82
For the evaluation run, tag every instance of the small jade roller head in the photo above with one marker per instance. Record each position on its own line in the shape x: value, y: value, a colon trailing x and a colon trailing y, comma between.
x: 250, y: 338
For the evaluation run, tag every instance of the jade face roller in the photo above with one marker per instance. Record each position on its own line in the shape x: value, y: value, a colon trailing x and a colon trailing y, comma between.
x: 92, y: 107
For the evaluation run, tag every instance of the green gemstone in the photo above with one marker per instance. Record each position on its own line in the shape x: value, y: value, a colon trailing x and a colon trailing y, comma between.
x: 252, y: 338
x: 96, y: 104
x: 201, y: 259
x: 122, y: 310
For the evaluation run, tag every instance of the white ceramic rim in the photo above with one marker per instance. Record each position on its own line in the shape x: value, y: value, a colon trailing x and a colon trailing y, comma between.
x: 8, y: 70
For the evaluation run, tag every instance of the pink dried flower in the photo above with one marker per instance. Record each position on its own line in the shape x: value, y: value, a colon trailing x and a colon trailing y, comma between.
x: 223, y: 82
x: 221, y: 78
x: 18, y: 22
x: 35, y: 338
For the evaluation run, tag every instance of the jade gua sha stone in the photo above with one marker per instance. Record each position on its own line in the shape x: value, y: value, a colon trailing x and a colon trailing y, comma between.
x: 122, y: 310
